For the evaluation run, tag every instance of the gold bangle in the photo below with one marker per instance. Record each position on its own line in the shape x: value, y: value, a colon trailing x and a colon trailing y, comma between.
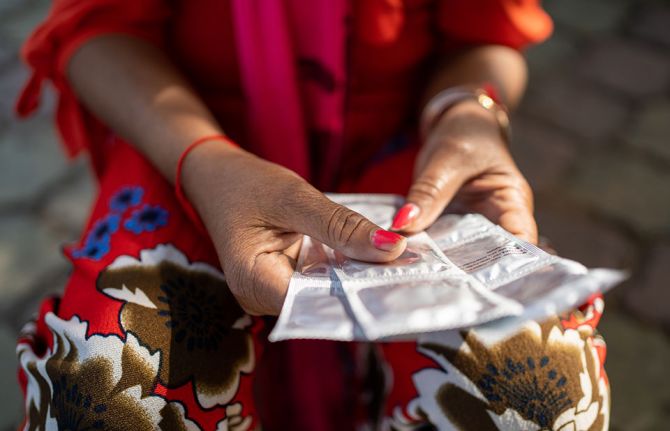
x: 446, y: 99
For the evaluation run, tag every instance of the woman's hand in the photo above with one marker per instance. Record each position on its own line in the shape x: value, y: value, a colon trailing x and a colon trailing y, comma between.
x: 256, y: 213
x: 466, y: 165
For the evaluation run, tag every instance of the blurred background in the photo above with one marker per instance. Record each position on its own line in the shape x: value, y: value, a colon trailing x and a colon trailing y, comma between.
x: 592, y: 135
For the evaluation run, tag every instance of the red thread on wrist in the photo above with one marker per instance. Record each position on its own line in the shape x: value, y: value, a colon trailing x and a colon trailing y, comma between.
x: 191, y: 213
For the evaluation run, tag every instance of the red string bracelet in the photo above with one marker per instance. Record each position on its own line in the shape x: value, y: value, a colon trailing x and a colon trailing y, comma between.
x: 179, y: 191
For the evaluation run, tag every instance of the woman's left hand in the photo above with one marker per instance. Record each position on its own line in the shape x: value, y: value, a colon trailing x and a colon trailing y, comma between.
x: 465, y: 163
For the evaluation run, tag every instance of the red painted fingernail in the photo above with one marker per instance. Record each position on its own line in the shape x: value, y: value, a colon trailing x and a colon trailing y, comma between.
x: 405, y: 215
x: 385, y: 240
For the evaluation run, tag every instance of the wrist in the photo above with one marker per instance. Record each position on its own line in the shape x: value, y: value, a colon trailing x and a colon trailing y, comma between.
x: 467, y: 132
x: 201, y: 161
x: 463, y: 101
x: 209, y: 152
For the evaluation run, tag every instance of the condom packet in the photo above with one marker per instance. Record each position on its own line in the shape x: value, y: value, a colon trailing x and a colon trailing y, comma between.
x: 552, y: 290
x: 463, y: 272
x: 314, y: 311
x: 495, y: 257
x: 315, y: 304
x: 323, y: 303
x: 410, y: 307
x: 421, y: 260
x: 378, y: 208
x: 450, y: 230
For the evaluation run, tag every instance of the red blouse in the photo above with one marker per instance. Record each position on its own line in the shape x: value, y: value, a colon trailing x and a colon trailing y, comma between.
x: 387, y: 67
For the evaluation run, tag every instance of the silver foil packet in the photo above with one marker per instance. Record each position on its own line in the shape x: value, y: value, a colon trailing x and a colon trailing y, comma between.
x: 462, y: 272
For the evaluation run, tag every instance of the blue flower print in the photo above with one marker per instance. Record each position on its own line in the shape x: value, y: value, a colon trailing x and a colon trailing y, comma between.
x: 125, y: 198
x: 98, y: 240
x: 146, y: 219
x: 103, y: 229
x: 95, y: 251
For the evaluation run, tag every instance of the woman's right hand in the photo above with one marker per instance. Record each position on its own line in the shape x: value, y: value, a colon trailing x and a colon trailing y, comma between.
x: 256, y: 212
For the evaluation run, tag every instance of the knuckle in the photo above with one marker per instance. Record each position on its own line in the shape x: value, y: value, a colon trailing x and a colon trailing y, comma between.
x: 526, y: 189
x: 342, y: 225
x: 521, y: 187
x: 456, y: 149
x: 425, y: 189
x: 464, y: 148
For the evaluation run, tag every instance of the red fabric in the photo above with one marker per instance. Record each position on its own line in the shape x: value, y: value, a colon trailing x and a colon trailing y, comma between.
x: 515, y: 23
x: 82, y: 299
x: 387, y: 68
x: 386, y: 71
x: 295, y: 385
x: 267, y: 50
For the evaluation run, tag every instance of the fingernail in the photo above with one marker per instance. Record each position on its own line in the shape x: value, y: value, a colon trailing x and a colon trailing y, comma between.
x: 385, y: 240
x: 405, y: 215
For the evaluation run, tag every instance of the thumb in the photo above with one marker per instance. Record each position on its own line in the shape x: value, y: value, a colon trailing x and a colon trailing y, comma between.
x: 430, y: 193
x: 345, y: 230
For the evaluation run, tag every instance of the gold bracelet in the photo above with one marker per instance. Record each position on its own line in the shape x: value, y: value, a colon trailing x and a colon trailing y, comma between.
x: 446, y: 99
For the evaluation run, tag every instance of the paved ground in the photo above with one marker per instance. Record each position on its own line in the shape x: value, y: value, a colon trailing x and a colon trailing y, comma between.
x: 592, y: 136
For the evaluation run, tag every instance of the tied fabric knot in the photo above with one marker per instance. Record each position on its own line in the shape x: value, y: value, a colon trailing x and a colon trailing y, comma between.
x: 36, y: 55
x: 69, y: 25
x: 29, y: 98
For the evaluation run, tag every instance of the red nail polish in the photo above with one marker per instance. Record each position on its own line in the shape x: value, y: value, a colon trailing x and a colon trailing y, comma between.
x: 385, y: 240
x: 405, y: 215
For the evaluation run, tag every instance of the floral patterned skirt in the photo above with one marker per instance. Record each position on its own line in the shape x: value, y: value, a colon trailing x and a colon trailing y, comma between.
x: 147, y: 335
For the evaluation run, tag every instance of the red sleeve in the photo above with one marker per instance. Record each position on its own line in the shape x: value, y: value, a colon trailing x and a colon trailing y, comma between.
x: 514, y: 23
x: 70, y: 24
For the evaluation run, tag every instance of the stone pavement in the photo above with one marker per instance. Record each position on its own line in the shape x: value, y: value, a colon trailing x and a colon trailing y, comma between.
x: 592, y: 136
